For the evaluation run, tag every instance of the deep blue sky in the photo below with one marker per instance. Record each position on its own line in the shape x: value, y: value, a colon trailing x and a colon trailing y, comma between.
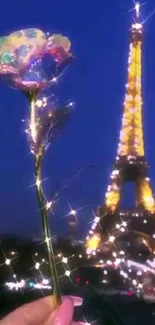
x: 96, y: 82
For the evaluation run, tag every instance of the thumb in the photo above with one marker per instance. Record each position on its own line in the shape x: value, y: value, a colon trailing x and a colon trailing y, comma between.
x: 63, y: 315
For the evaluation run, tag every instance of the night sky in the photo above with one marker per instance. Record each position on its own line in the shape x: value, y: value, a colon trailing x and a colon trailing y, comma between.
x: 96, y: 82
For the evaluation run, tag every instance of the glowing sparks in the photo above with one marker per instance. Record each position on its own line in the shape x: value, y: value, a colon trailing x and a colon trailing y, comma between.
x: 73, y: 212
x: 33, y: 121
x: 49, y: 205
x: 112, y: 239
x: 37, y: 266
x: 7, y: 261
x: 38, y: 182
x: 54, y: 79
x: 137, y: 276
x: 67, y: 273
x: 65, y: 260
x: 47, y: 239
x: 45, y: 120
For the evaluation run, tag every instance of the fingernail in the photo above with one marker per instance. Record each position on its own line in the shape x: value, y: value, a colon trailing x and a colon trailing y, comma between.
x: 78, y: 301
x: 79, y: 323
x: 64, y: 314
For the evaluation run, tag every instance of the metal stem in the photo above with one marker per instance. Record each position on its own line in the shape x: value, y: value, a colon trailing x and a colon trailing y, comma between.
x: 46, y: 231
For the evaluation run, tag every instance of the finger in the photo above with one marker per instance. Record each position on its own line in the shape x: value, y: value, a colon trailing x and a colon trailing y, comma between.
x: 35, y: 312
x: 30, y: 314
x: 63, y: 315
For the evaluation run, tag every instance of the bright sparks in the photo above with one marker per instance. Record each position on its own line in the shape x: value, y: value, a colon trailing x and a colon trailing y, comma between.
x: 48, y: 205
x: 38, y: 182
x: 72, y: 212
x: 33, y: 121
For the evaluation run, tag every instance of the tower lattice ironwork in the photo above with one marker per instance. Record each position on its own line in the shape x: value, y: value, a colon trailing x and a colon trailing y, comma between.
x: 130, y: 164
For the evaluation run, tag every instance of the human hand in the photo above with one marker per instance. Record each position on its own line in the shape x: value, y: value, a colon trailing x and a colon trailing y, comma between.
x: 43, y: 312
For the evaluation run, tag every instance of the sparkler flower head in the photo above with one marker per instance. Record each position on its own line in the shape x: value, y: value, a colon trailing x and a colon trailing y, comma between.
x: 49, y: 117
x: 29, y: 58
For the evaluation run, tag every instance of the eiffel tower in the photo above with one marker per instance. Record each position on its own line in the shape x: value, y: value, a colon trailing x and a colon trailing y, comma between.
x: 130, y: 164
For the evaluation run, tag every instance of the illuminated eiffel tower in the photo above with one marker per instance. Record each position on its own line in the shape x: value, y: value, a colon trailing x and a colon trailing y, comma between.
x: 130, y: 164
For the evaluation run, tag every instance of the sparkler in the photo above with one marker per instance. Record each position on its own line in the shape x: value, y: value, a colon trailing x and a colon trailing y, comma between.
x: 23, y: 58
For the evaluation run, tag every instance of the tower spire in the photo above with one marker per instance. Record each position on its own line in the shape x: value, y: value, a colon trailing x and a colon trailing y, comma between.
x: 137, y: 9
x: 131, y: 134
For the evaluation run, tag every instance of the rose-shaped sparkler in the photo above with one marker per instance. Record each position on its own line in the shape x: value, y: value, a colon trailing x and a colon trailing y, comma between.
x: 31, y: 60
